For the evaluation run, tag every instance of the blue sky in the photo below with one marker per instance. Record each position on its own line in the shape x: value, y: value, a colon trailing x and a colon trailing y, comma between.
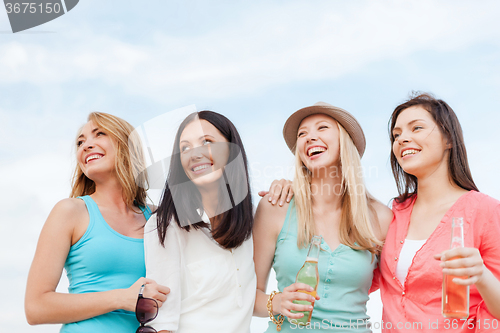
x: 255, y: 62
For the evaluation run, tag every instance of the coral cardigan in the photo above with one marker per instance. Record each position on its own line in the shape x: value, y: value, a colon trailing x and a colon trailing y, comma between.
x: 414, y: 305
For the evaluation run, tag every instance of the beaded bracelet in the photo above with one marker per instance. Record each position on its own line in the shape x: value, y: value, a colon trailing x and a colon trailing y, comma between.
x: 281, y: 318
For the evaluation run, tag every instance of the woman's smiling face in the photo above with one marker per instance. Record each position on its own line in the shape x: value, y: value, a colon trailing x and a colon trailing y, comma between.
x: 95, y: 151
x: 419, y: 146
x: 204, y: 152
x: 318, y: 142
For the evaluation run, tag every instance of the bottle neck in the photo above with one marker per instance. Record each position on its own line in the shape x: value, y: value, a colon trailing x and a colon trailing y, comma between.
x: 314, y: 248
x: 457, y: 235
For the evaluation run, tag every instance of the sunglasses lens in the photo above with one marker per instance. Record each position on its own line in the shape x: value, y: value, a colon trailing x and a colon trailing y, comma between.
x: 146, y: 329
x: 145, y: 311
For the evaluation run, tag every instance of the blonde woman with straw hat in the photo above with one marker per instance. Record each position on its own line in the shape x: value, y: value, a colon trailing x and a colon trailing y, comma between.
x: 331, y: 201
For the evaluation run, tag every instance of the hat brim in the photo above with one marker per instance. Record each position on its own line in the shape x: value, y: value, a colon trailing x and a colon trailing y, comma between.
x: 343, y: 117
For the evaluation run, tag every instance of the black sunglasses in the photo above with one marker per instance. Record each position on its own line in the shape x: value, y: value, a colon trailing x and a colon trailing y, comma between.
x: 146, y: 310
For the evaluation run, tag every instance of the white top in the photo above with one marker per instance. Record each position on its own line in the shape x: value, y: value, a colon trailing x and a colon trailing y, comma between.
x: 211, y: 289
x: 408, y: 252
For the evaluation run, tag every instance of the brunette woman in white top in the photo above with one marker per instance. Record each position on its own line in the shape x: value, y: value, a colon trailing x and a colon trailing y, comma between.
x: 199, y: 241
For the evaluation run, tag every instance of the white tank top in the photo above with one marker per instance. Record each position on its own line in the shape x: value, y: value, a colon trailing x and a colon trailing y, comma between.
x: 410, y: 248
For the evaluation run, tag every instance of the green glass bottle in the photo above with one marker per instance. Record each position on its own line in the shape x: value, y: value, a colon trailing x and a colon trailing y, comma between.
x: 309, y: 275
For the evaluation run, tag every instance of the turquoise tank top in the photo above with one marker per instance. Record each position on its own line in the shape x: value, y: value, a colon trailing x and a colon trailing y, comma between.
x: 345, y: 277
x: 102, y: 260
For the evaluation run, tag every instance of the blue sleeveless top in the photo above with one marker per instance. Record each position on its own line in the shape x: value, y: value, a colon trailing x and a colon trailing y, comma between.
x: 345, y: 277
x: 102, y: 260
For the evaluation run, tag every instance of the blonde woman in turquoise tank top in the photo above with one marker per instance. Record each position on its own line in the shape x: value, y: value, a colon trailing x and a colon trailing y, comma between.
x: 96, y: 235
x: 331, y: 201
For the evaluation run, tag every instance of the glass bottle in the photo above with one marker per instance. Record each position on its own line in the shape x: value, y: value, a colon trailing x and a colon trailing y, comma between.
x: 455, y: 299
x: 309, y: 275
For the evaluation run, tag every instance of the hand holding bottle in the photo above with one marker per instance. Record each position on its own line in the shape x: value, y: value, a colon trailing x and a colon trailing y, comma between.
x: 455, y: 296
x: 465, y: 261
x: 283, y: 303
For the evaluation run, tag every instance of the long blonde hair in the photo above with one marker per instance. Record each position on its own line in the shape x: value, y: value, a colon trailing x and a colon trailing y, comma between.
x: 355, y: 226
x: 129, y: 161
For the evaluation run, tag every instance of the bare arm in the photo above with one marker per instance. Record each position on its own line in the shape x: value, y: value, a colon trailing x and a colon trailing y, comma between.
x: 384, y: 219
x: 267, y: 226
x: 381, y: 224
x: 489, y: 288
x: 43, y: 305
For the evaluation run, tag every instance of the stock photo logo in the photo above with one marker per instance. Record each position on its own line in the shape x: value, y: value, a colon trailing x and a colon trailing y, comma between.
x: 26, y: 14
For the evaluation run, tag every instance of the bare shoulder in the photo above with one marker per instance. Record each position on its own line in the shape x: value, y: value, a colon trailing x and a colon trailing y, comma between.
x: 384, y: 217
x: 68, y: 217
x: 70, y: 209
x: 270, y: 217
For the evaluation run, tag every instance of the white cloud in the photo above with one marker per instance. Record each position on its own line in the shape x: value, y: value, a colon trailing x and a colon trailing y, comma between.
x: 271, y: 44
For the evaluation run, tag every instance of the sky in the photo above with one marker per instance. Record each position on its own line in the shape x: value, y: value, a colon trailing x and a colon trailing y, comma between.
x: 255, y: 62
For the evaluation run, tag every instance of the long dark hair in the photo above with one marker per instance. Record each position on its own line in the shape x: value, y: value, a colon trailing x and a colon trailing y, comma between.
x: 235, y: 225
x: 447, y: 121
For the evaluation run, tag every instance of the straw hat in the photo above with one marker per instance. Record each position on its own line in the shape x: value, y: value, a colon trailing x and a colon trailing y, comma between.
x: 346, y: 119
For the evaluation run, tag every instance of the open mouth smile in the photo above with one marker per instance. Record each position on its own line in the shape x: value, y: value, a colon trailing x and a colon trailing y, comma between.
x: 409, y: 152
x: 315, y: 151
x: 93, y: 157
x: 200, y: 168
